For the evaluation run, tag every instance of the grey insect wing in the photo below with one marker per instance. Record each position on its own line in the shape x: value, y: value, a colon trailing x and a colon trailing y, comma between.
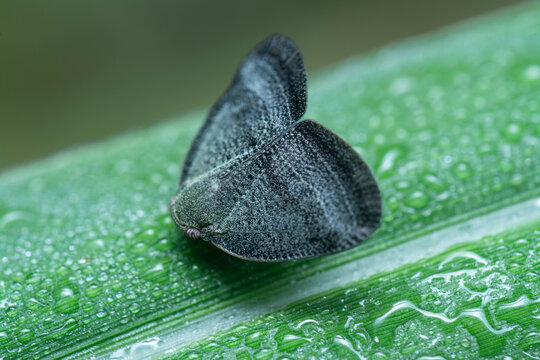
x: 262, y: 186
x: 267, y: 95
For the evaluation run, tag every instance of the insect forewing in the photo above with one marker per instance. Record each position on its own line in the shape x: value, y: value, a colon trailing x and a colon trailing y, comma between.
x: 266, y: 96
x: 307, y: 193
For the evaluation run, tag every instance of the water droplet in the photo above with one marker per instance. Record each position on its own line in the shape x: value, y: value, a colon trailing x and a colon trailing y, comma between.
x: 139, y: 248
x: 121, y: 257
x: 403, y: 185
x: 140, y: 261
x: 393, y: 203
x: 264, y: 354
x: 93, y: 291
x: 134, y: 308
x: 25, y: 336
x: 531, y: 341
x: 67, y: 301
x: 401, y: 85
x: 291, y: 341
x: 3, y: 337
x: 434, y: 183
x: 531, y: 73
x: 387, y: 166
x: 14, y: 216
x: 253, y: 340
x: 158, y: 271
x: 164, y: 245
x: 462, y: 170
x: 417, y: 200
x: 62, y: 271
x: 33, y: 278
x: 97, y: 243
x: 513, y: 132
x: 34, y: 304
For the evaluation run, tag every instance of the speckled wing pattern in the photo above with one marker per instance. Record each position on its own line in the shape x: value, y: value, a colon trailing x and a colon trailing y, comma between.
x: 305, y: 194
x: 264, y: 186
x: 267, y: 95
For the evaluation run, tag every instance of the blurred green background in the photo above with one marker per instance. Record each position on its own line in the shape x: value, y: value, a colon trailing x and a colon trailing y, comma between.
x: 74, y: 72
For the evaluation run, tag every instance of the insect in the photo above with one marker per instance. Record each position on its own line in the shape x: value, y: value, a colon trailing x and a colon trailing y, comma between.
x: 262, y: 185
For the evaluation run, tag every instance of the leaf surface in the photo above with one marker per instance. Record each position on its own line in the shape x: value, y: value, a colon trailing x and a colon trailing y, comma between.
x: 92, y: 265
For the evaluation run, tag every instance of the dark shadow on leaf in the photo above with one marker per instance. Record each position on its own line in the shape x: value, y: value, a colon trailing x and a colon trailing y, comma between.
x: 232, y: 271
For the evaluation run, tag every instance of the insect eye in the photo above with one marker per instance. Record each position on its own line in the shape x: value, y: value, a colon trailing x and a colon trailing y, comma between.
x: 192, y: 233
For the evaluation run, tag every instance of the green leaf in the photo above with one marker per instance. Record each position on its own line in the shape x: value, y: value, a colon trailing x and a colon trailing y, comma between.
x: 92, y: 265
x: 475, y: 300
